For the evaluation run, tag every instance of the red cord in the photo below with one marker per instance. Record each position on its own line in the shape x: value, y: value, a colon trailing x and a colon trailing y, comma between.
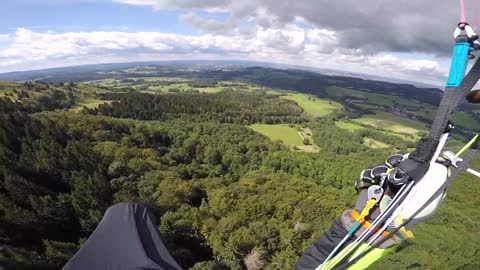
x: 462, y: 11
x: 475, y: 16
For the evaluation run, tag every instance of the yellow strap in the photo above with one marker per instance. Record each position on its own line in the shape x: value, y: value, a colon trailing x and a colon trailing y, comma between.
x: 355, y: 215
x: 367, y: 260
x: 361, y: 219
x: 370, y: 258
x: 366, y: 210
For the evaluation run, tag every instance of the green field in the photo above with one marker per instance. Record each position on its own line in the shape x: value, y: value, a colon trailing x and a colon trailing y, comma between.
x: 374, y: 143
x: 177, y: 84
x: 373, y: 98
x: 284, y: 133
x: 210, y: 90
x: 312, y: 105
x: 354, y: 127
x: 341, y: 92
x: 151, y: 84
x: 89, y: 103
x: 371, y: 101
x: 348, y: 126
x: 289, y: 136
x: 105, y: 82
x: 117, y: 82
x: 183, y: 87
x: 7, y: 88
x: 391, y: 122
x: 168, y: 88
x: 273, y: 92
x: 5, y: 85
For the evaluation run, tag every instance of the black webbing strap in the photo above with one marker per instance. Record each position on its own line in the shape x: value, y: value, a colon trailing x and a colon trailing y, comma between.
x: 417, y: 165
x: 451, y: 98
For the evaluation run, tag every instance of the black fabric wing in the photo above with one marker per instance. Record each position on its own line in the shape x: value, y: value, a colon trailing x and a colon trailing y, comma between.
x: 126, y: 238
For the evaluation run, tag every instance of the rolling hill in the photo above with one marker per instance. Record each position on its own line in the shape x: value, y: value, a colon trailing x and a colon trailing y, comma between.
x: 238, y: 163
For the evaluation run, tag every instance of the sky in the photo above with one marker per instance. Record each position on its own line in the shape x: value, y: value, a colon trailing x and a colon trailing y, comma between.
x: 402, y: 39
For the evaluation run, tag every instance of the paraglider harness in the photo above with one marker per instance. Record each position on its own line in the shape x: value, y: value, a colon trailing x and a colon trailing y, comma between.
x: 427, y: 166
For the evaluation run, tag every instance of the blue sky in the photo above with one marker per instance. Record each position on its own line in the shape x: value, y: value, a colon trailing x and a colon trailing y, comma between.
x: 64, y: 16
x: 346, y: 35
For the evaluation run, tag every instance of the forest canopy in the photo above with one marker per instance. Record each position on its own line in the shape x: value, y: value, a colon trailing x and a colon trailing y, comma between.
x: 225, y: 197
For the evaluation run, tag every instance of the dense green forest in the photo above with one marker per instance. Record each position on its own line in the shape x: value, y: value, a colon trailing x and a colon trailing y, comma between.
x: 225, y: 196
x: 225, y: 107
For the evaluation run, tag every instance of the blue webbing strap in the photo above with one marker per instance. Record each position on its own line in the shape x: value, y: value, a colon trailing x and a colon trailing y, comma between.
x: 459, y: 64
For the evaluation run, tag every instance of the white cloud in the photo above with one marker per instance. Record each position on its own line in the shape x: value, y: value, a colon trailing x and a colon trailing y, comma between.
x: 291, y: 44
x: 372, y: 25
x: 168, y: 4
x: 322, y: 41
x: 213, y: 26
x: 288, y: 40
x: 4, y: 38
x: 342, y: 35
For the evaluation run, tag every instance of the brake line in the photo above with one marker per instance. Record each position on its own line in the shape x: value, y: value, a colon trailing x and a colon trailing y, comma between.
x: 397, y: 199
x: 375, y: 193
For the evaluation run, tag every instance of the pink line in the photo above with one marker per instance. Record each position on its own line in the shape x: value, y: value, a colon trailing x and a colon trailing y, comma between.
x: 475, y: 16
x: 462, y: 11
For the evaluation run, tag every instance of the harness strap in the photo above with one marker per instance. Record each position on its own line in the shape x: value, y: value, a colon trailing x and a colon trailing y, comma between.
x: 418, y: 163
x: 462, y: 167
x: 365, y: 224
